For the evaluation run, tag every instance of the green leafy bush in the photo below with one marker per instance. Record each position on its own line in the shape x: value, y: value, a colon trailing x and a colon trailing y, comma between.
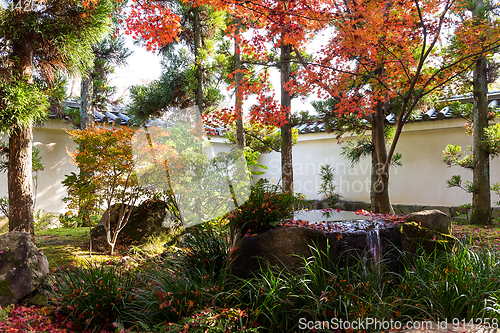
x: 266, y: 207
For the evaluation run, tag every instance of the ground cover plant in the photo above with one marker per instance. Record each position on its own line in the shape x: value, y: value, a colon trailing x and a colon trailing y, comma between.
x: 189, y: 290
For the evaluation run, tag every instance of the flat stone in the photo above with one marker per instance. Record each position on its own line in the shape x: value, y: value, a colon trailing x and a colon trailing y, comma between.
x: 405, y: 210
x: 443, y: 209
x: 397, y: 210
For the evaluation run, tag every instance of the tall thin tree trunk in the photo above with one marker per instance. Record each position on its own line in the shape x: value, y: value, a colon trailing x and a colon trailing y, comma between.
x: 238, y: 78
x: 86, y: 109
x: 19, y: 173
x: 481, y: 195
x: 381, y: 186
x: 373, y: 181
x: 198, y: 60
x: 86, y: 122
x: 286, y: 129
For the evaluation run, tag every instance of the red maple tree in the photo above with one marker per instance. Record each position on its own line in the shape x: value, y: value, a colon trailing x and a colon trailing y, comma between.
x: 384, y: 57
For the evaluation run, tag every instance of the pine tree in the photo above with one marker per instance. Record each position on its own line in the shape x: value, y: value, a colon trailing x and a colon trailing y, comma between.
x: 38, y: 40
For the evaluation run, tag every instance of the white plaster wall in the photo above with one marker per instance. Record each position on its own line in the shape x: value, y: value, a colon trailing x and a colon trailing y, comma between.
x: 52, y: 141
x: 421, y: 180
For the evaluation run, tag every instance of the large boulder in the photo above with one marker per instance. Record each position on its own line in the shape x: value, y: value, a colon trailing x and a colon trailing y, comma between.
x: 147, y: 219
x: 432, y: 219
x: 22, y: 266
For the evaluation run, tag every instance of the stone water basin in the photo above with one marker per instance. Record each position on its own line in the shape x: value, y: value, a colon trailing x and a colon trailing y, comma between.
x: 344, y: 236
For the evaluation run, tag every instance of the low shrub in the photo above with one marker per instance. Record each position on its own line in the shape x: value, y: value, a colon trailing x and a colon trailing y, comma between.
x: 266, y: 207
x: 94, y: 295
x: 463, y: 284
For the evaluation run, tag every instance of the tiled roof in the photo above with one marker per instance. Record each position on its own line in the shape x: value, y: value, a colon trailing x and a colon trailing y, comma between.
x: 117, y: 115
x: 431, y: 115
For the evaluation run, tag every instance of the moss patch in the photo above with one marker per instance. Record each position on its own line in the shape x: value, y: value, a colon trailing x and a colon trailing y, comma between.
x: 66, y: 246
x: 431, y: 240
x: 38, y: 300
x: 5, y: 291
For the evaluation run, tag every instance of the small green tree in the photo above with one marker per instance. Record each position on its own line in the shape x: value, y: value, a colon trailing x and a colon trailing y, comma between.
x: 328, y: 186
x: 110, y: 179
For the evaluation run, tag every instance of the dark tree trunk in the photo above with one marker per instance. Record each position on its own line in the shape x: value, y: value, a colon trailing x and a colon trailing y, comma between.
x: 373, y: 181
x: 238, y: 77
x: 19, y: 173
x: 286, y: 129
x: 86, y: 108
x: 380, y: 187
x: 481, y: 196
x: 20, y: 180
x: 198, y: 62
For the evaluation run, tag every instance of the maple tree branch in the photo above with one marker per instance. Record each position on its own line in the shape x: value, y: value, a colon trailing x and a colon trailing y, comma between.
x: 274, y: 12
x: 264, y: 143
x: 491, y: 47
x: 265, y: 64
x: 405, y: 111
x: 424, y: 29
x: 398, y: 60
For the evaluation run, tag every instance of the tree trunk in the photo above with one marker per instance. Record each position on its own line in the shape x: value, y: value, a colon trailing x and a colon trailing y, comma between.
x: 86, y: 109
x: 20, y: 180
x: 20, y: 174
x: 286, y: 129
x: 481, y: 195
x: 238, y: 78
x: 86, y: 122
x: 198, y: 61
x: 380, y: 188
x: 373, y: 181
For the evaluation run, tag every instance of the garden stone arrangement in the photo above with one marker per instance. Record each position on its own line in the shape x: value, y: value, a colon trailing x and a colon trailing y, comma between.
x: 147, y: 219
x: 342, y: 238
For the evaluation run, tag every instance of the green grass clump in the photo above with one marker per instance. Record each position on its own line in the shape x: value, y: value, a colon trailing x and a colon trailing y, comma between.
x: 93, y: 295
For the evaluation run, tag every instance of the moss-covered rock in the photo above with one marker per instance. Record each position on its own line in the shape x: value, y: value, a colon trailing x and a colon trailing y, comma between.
x: 416, y: 236
x: 22, y: 266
